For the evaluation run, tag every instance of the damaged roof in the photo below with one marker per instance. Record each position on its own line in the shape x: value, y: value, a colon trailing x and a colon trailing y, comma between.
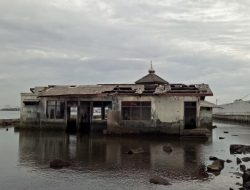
x: 88, y: 89
x: 131, y: 89
x: 151, y: 84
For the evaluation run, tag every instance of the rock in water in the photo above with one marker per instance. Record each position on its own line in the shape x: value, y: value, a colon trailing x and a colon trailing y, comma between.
x: 236, y: 149
x: 216, y: 166
x: 159, y: 180
x: 239, y: 149
x: 238, y: 161
x: 213, y: 158
x: 242, y: 168
x: 245, y: 159
x: 246, y: 179
x: 58, y: 164
x: 167, y: 148
x: 136, y: 151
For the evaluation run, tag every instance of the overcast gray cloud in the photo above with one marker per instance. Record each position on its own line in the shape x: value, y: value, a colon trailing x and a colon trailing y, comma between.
x: 106, y: 41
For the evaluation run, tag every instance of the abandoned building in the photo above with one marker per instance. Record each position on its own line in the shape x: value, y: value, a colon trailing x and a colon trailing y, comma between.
x: 150, y: 105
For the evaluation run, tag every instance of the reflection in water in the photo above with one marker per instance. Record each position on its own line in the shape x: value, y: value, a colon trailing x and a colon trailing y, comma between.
x: 37, y: 148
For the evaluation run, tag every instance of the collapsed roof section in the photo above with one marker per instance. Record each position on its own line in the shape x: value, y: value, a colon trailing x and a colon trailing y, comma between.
x: 128, y: 89
x: 151, y: 84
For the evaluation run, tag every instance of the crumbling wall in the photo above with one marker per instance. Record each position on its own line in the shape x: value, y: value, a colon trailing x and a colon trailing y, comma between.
x: 167, y: 115
x: 28, y: 113
x: 206, y: 117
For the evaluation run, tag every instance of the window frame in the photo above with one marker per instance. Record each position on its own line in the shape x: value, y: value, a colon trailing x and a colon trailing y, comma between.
x: 135, y: 107
x: 55, y: 105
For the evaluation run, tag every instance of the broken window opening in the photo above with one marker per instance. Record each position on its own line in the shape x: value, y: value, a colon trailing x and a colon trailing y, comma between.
x: 55, y: 109
x: 136, y: 110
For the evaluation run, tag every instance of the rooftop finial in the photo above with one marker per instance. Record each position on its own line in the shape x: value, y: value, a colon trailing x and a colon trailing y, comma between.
x: 151, y: 70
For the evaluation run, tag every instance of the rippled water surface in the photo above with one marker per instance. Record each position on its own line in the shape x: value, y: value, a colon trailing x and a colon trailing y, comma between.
x: 99, y: 162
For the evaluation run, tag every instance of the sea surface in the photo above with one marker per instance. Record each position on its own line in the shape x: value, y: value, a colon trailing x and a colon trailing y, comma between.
x: 99, y: 162
x: 9, y: 114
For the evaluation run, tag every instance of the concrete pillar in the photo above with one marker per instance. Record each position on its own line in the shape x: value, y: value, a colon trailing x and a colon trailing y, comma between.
x: 103, y: 112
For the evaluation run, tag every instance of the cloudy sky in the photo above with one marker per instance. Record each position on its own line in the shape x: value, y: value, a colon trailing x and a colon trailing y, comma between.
x: 106, y: 41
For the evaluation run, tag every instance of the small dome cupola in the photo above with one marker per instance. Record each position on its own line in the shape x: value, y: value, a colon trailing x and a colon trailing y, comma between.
x: 151, y: 70
x: 151, y: 78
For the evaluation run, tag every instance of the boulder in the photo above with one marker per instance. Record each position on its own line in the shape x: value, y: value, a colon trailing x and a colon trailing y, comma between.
x: 228, y: 161
x: 159, y: 180
x: 225, y: 131
x: 245, y: 159
x: 238, y: 161
x: 136, y: 151
x: 58, y: 164
x: 167, y: 148
x: 221, y: 138
x: 216, y: 166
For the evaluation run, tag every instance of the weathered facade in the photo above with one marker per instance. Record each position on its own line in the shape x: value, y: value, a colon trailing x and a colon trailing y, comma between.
x: 151, y: 105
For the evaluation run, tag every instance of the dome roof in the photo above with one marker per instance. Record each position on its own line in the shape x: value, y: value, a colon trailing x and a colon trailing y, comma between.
x: 151, y: 78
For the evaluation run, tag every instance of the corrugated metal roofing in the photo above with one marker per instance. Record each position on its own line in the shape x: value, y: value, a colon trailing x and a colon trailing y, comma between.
x: 82, y: 89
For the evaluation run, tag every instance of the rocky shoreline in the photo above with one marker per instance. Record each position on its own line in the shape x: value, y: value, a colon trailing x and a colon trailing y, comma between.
x: 235, y: 149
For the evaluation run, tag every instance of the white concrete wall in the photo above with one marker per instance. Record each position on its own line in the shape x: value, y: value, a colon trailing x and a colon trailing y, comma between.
x: 171, y: 109
x: 206, y: 117
x: 235, y: 108
x: 165, y: 108
x: 28, y: 112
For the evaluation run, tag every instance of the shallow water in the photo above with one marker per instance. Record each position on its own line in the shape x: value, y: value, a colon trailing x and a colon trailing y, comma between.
x: 102, y: 163
x: 9, y: 114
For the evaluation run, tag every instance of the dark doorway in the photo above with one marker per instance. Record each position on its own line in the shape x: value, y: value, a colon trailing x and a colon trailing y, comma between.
x: 72, y: 116
x: 85, y: 113
x: 190, y: 110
